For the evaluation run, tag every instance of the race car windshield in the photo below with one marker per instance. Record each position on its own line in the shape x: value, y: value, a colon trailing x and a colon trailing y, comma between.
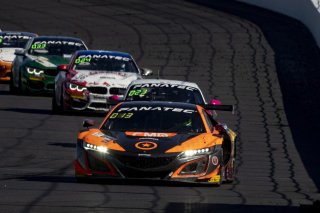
x: 107, y: 63
x: 169, y: 93
x: 151, y: 119
x: 13, y: 41
x: 55, y: 47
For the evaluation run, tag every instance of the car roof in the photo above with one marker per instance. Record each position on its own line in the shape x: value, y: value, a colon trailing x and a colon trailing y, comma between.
x: 17, y: 33
x: 103, y: 52
x: 58, y: 38
x: 159, y: 104
x: 164, y: 81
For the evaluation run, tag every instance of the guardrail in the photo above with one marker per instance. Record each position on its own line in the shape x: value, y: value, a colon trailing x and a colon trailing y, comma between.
x: 306, y: 11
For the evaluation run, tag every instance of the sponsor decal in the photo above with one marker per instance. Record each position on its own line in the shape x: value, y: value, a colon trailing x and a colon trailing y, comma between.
x: 94, y: 75
x: 43, y: 61
x: 43, y: 44
x: 87, y: 58
x: 38, y: 46
x: 215, y: 160
x: 138, y: 92
x: 36, y: 78
x: 77, y: 96
x: 82, y: 60
x: 151, y: 134
x: 144, y: 154
x: 157, y: 108
x: 121, y: 115
x: 161, y: 85
x: 146, y: 145
x: 105, y: 137
x: 215, y: 179
x: 98, y: 98
x: 9, y: 37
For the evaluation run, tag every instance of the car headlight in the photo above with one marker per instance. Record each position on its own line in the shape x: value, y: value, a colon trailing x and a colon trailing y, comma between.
x: 190, y: 153
x: 76, y: 87
x: 89, y: 146
x: 34, y: 71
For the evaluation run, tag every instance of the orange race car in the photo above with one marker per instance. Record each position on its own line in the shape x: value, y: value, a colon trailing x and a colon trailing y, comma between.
x: 157, y: 140
x: 10, y: 41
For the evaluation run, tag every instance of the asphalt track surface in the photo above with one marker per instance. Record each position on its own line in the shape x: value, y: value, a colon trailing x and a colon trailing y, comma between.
x: 264, y: 63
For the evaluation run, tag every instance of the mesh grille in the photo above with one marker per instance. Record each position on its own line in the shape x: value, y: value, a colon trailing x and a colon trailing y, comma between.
x: 145, y: 162
x: 51, y: 72
x: 98, y: 90
x: 98, y: 105
x: 117, y: 91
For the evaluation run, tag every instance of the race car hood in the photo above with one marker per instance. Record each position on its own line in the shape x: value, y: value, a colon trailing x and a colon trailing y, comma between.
x: 104, y: 78
x: 151, y: 143
x: 7, y: 54
x: 47, y: 62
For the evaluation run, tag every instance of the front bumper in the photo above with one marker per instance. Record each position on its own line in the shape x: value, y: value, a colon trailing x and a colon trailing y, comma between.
x: 87, y: 101
x: 38, y: 84
x: 119, y: 165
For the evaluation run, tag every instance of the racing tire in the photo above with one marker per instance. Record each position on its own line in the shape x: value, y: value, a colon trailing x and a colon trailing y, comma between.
x: 19, y: 89
x: 12, y: 88
x: 232, y: 167
x: 62, y: 105
x: 221, y: 171
x: 82, y: 180
x: 54, y: 107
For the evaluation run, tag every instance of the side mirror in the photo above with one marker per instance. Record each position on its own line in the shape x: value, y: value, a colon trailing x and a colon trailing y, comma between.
x: 88, y: 123
x: 62, y: 67
x: 220, y: 127
x: 146, y: 71
x: 19, y: 52
x: 215, y: 102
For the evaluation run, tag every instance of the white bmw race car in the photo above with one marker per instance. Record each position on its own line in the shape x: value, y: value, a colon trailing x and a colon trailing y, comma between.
x: 91, y: 77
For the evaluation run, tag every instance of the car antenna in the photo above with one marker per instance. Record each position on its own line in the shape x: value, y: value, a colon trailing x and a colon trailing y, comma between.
x: 158, y: 73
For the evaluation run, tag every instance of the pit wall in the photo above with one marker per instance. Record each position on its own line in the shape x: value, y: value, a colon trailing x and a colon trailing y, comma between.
x: 306, y: 11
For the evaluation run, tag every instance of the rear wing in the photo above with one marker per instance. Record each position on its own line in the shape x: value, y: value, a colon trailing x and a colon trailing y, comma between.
x: 229, y: 108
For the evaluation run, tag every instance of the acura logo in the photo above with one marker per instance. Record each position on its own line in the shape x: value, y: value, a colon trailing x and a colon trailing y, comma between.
x: 147, y: 145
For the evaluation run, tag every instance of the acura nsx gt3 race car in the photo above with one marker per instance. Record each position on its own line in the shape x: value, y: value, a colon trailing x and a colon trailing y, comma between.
x: 11, y: 41
x: 91, y: 77
x: 157, y: 140
x: 35, y: 67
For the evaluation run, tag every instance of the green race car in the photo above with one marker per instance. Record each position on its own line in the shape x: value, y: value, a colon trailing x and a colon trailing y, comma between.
x: 35, y: 67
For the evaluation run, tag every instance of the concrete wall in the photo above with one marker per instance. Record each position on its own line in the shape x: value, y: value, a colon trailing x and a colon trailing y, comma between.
x: 307, y: 11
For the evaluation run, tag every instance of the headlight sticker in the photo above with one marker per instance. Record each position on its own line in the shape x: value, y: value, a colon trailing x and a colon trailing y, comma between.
x: 34, y: 71
x: 76, y: 87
